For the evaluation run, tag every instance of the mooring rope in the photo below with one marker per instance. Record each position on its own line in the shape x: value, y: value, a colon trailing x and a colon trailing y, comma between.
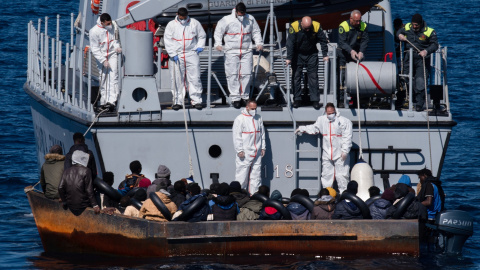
x: 360, y: 151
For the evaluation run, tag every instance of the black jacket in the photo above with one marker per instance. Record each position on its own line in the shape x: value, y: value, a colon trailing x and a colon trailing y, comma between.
x: 225, y: 208
x: 345, y: 210
x: 76, y: 188
x: 304, y: 42
x: 351, y: 38
x: 240, y: 197
x: 91, y: 160
x: 378, y: 209
x: 425, y: 39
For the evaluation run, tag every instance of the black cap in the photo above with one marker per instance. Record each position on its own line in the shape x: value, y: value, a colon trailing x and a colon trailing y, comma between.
x: 417, y: 18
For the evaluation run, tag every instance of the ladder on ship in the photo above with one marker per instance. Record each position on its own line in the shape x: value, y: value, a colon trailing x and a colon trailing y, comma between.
x: 308, y: 164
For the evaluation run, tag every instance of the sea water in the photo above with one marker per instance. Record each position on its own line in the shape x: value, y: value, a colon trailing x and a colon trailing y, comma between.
x: 456, y: 25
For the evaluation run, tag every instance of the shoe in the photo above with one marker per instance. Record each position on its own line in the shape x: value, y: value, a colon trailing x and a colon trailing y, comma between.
x: 198, y: 106
x: 296, y: 104
x: 176, y: 107
x: 418, y: 108
x: 316, y: 105
x: 237, y: 104
x: 111, y: 107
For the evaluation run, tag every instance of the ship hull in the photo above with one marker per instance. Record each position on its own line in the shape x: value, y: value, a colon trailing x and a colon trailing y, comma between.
x: 62, y: 232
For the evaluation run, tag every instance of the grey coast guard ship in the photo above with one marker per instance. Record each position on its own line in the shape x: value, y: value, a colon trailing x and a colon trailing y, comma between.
x: 63, y: 83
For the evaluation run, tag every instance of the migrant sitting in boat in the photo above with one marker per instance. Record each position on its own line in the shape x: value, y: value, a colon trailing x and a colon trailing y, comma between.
x: 52, y: 171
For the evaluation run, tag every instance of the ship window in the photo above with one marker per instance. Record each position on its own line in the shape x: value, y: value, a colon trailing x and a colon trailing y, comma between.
x: 215, y: 151
x: 195, y: 6
x: 139, y: 94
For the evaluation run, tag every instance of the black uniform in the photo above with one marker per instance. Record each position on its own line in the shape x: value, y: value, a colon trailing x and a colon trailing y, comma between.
x: 302, y: 51
x: 351, y: 38
x: 424, y: 39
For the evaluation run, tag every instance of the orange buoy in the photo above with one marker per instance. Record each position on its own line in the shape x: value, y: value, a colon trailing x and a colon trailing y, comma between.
x: 95, y: 6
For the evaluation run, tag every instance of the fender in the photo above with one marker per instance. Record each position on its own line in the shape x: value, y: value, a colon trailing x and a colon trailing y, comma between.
x: 259, y: 197
x: 196, y: 205
x: 160, y: 206
x: 303, y: 200
x: 402, y: 205
x: 374, y: 198
x: 358, y: 202
x: 106, y: 189
x: 279, y: 207
x: 135, y: 203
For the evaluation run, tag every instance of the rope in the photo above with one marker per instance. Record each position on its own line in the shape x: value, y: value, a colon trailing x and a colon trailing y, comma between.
x: 31, y: 188
x: 190, y: 172
x: 102, y: 111
x: 360, y: 151
x: 426, y: 102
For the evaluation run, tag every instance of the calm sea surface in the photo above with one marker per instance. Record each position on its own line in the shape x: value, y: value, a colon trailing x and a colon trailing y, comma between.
x: 20, y: 245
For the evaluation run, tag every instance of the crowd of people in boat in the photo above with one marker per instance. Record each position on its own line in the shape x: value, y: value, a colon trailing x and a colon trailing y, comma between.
x: 70, y: 180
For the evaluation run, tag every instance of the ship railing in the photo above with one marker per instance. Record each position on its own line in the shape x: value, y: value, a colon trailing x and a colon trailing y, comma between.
x: 54, y: 72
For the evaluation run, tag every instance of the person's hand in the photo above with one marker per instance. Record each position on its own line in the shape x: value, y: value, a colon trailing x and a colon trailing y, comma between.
x: 360, y: 56
x: 259, y: 47
x: 344, y: 156
x: 298, y: 131
x: 325, y: 59
x: 109, y: 211
x: 96, y: 208
x: 287, y: 62
x: 263, y: 152
x: 175, y: 59
x: 219, y: 48
x: 199, y: 50
x: 118, y: 50
x: 402, y: 37
x: 106, y: 64
x: 354, y: 55
x: 241, y: 154
x: 423, y: 53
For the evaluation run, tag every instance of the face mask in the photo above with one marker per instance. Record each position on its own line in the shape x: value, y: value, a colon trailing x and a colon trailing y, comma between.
x: 240, y: 18
x: 331, y: 117
x: 108, y: 27
x: 183, y: 21
x: 252, y: 112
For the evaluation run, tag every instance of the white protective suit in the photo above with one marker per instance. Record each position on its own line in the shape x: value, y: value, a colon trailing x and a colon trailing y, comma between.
x: 103, y: 46
x: 337, y: 139
x: 238, y: 51
x: 182, y: 40
x: 248, y: 137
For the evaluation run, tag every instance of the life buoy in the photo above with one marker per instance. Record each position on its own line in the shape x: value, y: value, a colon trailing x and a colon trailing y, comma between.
x: 259, y: 197
x: 191, y: 209
x: 279, y: 207
x: 374, y: 198
x: 95, y: 5
x: 403, y: 205
x: 303, y: 200
x: 358, y: 202
x: 160, y: 206
x: 107, y: 190
x: 132, y: 192
x: 135, y: 203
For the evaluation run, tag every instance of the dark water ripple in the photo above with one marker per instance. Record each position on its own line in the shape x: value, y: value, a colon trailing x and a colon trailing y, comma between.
x: 20, y: 244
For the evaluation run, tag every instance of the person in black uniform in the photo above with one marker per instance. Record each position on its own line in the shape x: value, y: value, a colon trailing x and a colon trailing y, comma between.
x: 425, y: 39
x: 302, y: 51
x: 352, y: 44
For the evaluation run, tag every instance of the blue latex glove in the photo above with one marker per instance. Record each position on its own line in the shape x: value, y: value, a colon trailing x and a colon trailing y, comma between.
x: 175, y: 58
x: 199, y: 50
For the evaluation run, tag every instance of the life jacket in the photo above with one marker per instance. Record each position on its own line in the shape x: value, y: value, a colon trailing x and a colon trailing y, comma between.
x: 295, y: 27
x: 346, y: 26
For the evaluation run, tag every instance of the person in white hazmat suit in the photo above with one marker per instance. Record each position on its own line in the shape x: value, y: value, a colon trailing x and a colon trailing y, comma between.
x: 249, y: 142
x: 105, y: 50
x: 337, y: 142
x: 237, y: 30
x: 184, y: 40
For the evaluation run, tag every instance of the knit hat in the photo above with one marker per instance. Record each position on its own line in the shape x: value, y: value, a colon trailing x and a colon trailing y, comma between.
x: 235, y: 187
x: 144, y: 183
x: 332, y: 192
x: 417, y: 18
x: 388, y: 195
x: 80, y: 157
x: 276, y: 195
x: 56, y: 149
x: 352, y: 187
x: 162, y: 172
x: 405, y: 179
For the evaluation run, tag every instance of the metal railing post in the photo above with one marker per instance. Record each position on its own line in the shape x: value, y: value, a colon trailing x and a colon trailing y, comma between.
x: 67, y: 66
x: 89, y: 99
x: 59, y: 69
x: 410, y: 80
x: 334, y: 76
x: 52, y: 68
x: 326, y: 81
x: 209, y: 70
x: 73, y: 60
x: 71, y: 28
x: 42, y: 55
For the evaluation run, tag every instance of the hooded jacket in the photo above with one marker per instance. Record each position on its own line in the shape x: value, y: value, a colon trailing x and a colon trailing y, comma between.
x: 298, y: 211
x: 183, y: 38
x: 337, y: 134
x: 240, y: 197
x: 347, y: 210
x: 250, y: 210
x: 150, y: 211
x: 51, y: 174
x: 102, y: 42
x: 225, y: 208
x: 76, y: 189
x: 154, y: 186
x: 91, y: 160
x: 200, y: 215
x: 324, y: 207
x: 378, y: 209
x: 237, y: 35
